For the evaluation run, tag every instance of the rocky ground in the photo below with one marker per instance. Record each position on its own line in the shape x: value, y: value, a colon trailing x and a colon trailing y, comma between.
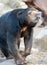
x: 36, y: 58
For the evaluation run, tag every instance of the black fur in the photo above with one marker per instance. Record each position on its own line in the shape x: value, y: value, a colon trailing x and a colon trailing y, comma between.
x: 11, y: 24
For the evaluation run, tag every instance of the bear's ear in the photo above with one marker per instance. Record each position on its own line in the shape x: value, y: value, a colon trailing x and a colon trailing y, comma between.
x: 21, y: 14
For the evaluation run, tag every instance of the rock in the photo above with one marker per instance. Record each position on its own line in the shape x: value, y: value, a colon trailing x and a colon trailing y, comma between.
x: 4, y: 8
x: 5, y: 2
x: 14, y: 3
x: 17, y: 4
x: 37, y: 58
x: 8, y: 62
x: 7, y: 5
x: 41, y: 39
x: 2, y: 59
x: 42, y: 33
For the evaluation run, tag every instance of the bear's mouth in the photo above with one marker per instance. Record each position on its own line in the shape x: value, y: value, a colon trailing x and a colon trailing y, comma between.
x: 36, y: 22
x: 39, y: 22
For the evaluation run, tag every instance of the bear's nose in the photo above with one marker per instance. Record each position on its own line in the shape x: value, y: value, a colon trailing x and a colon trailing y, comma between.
x: 38, y: 15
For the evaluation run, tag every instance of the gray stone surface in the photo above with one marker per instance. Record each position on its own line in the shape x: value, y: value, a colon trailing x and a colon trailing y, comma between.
x: 14, y: 3
x: 41, y: 40
x: 8, y: 62
x: 7, y: 5
x: 35, y: 58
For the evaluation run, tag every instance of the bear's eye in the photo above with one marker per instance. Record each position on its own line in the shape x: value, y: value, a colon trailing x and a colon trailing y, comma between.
x: 29, y: 12
x: 20, y: 13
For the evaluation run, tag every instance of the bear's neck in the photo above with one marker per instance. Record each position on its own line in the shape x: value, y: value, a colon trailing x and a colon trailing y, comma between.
x: 23, y: 23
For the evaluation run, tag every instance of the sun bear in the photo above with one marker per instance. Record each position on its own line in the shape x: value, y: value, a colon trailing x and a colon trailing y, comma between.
x: 14, y: 25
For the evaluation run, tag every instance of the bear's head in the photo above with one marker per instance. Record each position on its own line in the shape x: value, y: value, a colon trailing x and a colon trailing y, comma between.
x: 31, y: 16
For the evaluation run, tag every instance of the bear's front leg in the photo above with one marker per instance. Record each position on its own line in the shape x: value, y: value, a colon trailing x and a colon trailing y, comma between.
x: 28, y: 38
x: 13, y: 45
